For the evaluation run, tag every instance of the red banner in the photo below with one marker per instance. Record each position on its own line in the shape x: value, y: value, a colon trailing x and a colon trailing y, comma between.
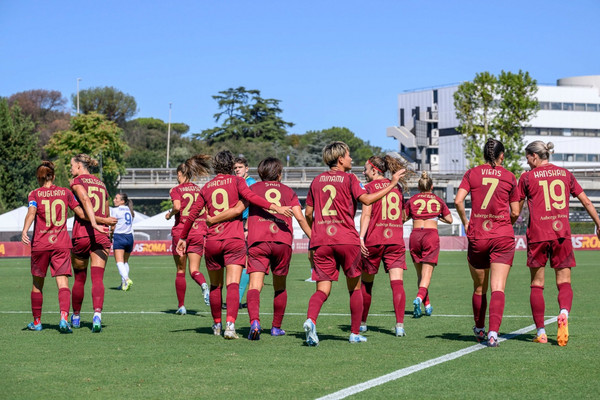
x: 163, y: 247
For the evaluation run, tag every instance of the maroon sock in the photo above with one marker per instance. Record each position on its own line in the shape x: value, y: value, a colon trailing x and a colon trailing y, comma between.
x: 180, y: 285
x: 279, y: 304
x: 314, y: 305
x: 422, y: 294
x: 97, y: 274
x: 64, y: 300
x: 198, y: 277
x: 426, y: 299
x: 565, y: 296
x: 233, y: 301
x: 538, y: 305
x: 497, y: 302
x: 366, y: 289
x: 399, y: 299
x: 78, y: 289
x: 356, y: 310
x: 479, y: 308
x: 253, y: 298
x: 216, y: 301
x: 37, y: 299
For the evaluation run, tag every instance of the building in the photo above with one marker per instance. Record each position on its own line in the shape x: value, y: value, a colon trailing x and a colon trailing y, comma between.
x: 569, y: 116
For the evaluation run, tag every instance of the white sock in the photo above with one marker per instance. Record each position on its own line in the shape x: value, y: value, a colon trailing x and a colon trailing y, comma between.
x: 564, y: 311
x: 122, y: 271
x: 127, y: 269
x: 493, y: 334
x: 97, y: 314
x: 541, y: 331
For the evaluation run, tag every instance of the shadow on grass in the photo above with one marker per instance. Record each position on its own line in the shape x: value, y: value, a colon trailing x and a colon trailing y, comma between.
x: 460, y: 337
x: 174, y: 310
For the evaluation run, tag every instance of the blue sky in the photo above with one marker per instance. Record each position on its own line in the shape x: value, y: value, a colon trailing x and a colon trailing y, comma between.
x: 331, y: 63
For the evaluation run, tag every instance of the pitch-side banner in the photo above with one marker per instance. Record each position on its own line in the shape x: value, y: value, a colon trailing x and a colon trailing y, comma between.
x: 163, y: 247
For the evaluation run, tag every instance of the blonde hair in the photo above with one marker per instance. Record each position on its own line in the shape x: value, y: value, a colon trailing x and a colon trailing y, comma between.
x: 333, y: 151
x: 196, y: 166
x: 543, y: 150
x: 389, y: 163
x: 86, y: 161
x: 425, y: 182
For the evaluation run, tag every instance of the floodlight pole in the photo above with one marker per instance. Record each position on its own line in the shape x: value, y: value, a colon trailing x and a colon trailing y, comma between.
x: 169, y: 135
x: 78, y: 79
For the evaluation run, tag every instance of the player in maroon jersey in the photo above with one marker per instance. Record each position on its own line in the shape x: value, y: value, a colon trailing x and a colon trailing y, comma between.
x: 330, y: 209
x: 225, y: 247
x: 183, y: 197
x: 547, y: 188
x: 494, y: 208
x: 381, y: 238
x: 425, y: 209
x: 50, y: 244
x: 89, y: 243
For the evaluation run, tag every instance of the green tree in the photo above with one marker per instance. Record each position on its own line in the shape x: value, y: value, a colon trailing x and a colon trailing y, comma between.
x: 92, y: 134
x: 245, y: 114
x: 19, y: 156
x: 497, y: 107
x: 109, y: 101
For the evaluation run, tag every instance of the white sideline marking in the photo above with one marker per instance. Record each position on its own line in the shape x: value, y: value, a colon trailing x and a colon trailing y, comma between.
x: 426, y: 364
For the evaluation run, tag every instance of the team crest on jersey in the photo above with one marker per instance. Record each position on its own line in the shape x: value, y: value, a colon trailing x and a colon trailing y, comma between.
x: 195, y: 225
x: 487, y: 225
x: 557, y: 225
x: 331, y: 230
x: 218, y: 229
x: 52, y: 239
x: 388, y: 233
x: 273, y: 227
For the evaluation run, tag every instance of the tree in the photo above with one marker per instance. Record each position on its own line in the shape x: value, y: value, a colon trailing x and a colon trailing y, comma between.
x: 498, y: 107
x: 47, y: 110
x: 92, y: 134
x: 19, y: 156
x: 112, y: 103
x: 246, y: 115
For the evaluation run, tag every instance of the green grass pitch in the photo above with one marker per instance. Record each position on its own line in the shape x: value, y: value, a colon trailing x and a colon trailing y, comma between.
x: 145, y: 351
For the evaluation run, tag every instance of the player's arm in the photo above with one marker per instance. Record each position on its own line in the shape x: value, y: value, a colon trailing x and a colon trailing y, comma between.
x: 110, y: 221
x: 255, y: 199
x: 365, y: 218
x: 591, y: 210
x: 29, y: 218
x: 174, y: 210
x: 308, y: 215
x: 459, y: 203
x: 370, y: 198
x: 227, y: 215
x: 82, y: 195
x: 297, y: 210
x: 446, y: 218
x: 515, y: 210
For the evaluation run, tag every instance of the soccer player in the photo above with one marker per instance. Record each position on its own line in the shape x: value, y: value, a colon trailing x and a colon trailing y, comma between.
x: 270, y: 244
x: 330, y: 207
x: 381, y: 238
x: 183, y: 197
x: 225, y: 247
x: 491, y: 248
x: 425, y: 208
x: 240, y: 168
x: 547, y: 188
x: 123, y: 236
x: 50, y: 244
x: 88, y: 244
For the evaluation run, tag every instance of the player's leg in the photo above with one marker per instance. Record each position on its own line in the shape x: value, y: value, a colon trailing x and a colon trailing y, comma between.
x: 398, y: 298
x: 37, y: 299
x: 120, y: 260
x: 98, y: 259
x: 565, y: 301
x: 279, y: 304
x: 80, y: 266
x: 180, y: 283
x: 255, y: 285
x: 194, y: 266
x: 367, y: 290
x: 215, y: 275
x: 498, y: 276
x: 479, y: 300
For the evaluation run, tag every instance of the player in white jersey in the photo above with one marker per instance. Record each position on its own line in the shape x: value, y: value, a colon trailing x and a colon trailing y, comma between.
x: 123, y: 236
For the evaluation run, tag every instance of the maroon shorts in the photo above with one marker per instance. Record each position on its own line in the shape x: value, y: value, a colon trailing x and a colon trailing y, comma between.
x: 58, y: 259
x: 424, y: 245
x: 481, y: 253
x: 560, y: 252
x: 328, y: 259
x: 84, y: 246
x: 393, y: 256
x: 261, y: 255
x: 219, y: 253
x: 195, y: 244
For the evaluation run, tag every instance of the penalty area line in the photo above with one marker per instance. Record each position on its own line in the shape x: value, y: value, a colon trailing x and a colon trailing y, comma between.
x: 349, y: 391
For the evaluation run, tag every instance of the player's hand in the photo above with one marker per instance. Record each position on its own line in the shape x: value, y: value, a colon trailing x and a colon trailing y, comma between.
x: 363, y: 249
x: 111, y: 221
x: 181, y: 246
x: 283, y: 210
x: 25, y: 239
x: 598, y: 232
x: 397, y: 175
x: 100, y: 228
x: 168, y: 215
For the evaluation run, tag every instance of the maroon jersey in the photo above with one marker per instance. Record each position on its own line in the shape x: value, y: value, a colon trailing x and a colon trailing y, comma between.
x: 385, y: 225
x: 334, y: 195
x: 426, y: 206
x: 265, y: 226
x: 547, y: 189
x: 49, y: 227
x: 492, y: 191
x: 96, y: 191
x: 219, y: 194
x: 187, y: 193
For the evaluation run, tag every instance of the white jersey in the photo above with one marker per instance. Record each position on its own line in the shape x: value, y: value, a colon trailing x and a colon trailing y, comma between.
x: 124, y: 219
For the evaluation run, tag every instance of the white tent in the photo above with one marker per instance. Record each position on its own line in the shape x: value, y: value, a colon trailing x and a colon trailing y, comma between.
x: 137, y: 218
x: 12, y: 221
